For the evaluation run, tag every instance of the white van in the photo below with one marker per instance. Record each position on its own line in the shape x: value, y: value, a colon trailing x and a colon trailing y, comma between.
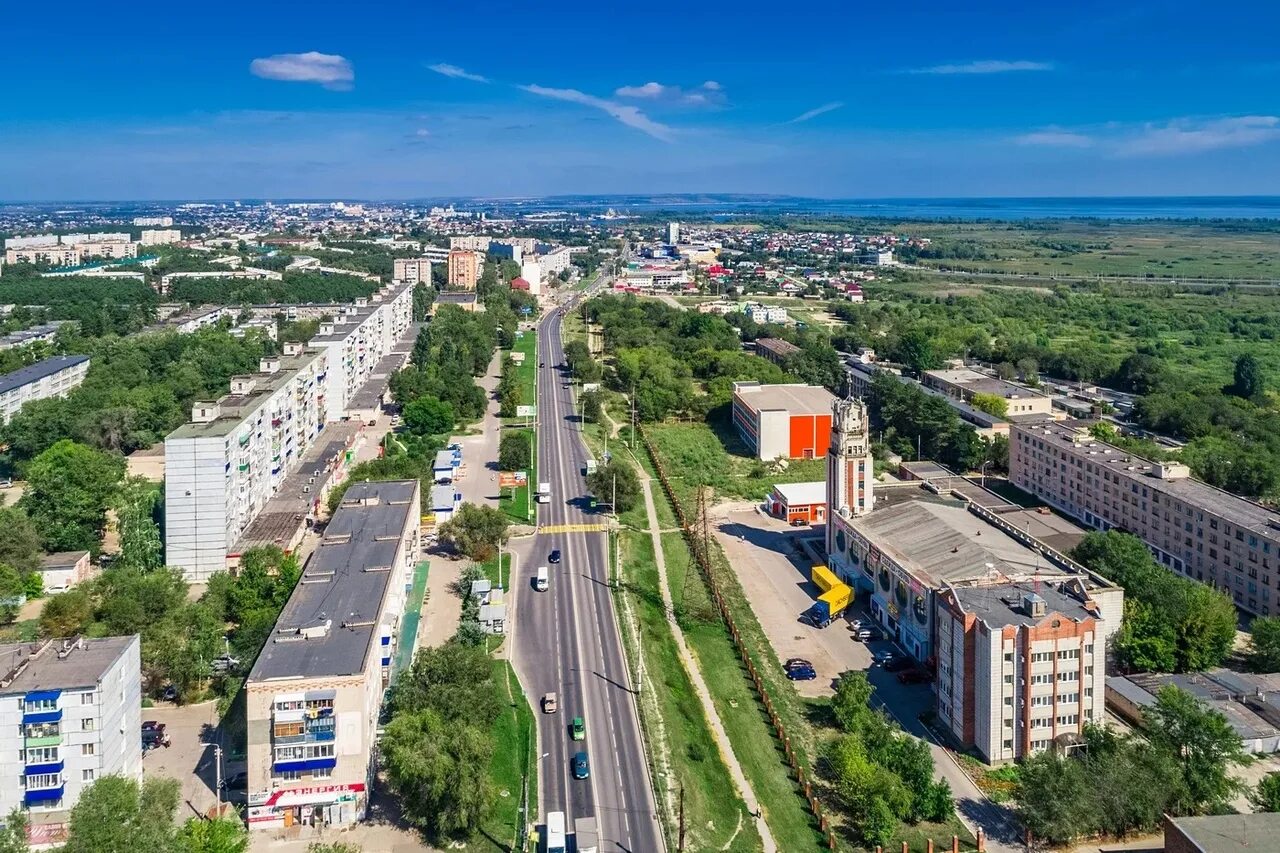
x: 542, y: 580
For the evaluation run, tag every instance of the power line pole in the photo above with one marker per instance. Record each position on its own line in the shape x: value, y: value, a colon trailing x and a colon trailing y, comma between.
x: 680, y: 844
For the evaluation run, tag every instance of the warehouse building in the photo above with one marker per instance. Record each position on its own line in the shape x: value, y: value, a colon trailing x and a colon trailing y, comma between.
x: 798, y: 503
x: 783, y: 421
x: 964, y: 384
x: 314, y: 693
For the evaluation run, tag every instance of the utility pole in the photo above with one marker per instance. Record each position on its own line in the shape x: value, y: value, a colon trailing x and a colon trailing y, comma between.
x: 680, y: 843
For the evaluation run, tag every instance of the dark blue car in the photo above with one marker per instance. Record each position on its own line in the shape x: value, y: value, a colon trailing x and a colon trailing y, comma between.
x: 802, y: 673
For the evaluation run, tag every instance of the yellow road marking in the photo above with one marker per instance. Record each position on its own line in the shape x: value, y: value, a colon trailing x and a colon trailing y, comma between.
x: 573, y: 528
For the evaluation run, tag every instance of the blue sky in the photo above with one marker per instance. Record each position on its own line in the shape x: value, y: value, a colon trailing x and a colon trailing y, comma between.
x: 406, y: 100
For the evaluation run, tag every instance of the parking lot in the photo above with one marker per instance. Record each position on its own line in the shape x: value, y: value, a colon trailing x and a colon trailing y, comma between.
x: 188, y: 759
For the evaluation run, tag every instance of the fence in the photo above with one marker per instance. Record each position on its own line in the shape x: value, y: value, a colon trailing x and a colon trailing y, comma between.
x: 801, y: 773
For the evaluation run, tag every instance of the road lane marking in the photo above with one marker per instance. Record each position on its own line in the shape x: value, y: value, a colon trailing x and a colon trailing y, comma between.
x: 575, y: 528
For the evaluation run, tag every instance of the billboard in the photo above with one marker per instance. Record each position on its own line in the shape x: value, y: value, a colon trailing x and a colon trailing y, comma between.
x: 512, y: 479
x: 526, y: 411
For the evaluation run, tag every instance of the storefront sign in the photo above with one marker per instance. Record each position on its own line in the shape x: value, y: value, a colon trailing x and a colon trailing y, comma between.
x: 316, y: 794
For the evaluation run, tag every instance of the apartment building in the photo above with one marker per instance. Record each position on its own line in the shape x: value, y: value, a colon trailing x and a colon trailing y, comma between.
x: 412, y: 270
x: 54, y: 256
x: 464, y: 269
x: 160, y: 237
x: 1194, y: 529
x: 963, y: 384
x: 357, y: 338
x: 314, y: 694
x: 153, y: 221
x: 1021, y: 666
x: 73, y: 709
x: 44, y: 332
x: 223, y: 467
x: 470, y: 243
x: 52, y: 377
x: 554, y: 259
x: 107, y: 249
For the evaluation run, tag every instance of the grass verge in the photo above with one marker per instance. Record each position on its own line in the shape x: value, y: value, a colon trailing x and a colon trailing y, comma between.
x: 518, y: 503
x: 683, y: 752
x: 526, y: 371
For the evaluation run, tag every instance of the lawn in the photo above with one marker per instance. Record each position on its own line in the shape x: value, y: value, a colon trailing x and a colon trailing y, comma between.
x: 526, y: 371
x: 696, y: 454
x: 517, y: 503
x: 683, y: 753
x: 513, y: 756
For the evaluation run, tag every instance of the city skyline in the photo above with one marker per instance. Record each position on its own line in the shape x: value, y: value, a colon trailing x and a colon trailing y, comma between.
x: 838, y: 102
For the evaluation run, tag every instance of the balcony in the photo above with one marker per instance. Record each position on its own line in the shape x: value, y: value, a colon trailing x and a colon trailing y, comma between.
x: 304, y: 765
x: 43, y: 795
x: 36, y: 718
x: 42, y: 769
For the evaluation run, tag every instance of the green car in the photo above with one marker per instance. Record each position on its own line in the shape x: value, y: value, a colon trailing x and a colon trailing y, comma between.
x: 579, y: 729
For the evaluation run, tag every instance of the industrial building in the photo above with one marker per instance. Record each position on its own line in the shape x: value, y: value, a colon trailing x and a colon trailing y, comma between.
x: 984, y: 423
x: 52, y: 377
x: 1249, y: 702
x: 798, y: 503
x: 314, y: 694
x: 776, y: 350
x: 963, y: 384
x: 223, y: 467
x: 783, y: 421
x: 1200, y: 532
x: 74, y: 709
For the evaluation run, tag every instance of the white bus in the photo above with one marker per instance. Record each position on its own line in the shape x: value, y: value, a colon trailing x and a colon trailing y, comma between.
x: 555, y: 832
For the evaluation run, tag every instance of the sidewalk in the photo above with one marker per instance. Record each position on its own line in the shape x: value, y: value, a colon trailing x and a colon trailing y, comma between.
x: 695, y: 674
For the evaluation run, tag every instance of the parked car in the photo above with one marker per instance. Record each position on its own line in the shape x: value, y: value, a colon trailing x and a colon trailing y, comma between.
x: 883, y: 657
x: 898, y: 664
x: 802, y: 673
x: 792, y: 662
x: 581, y: 769
x: 799, y: 522
x: 238, y: 782
x: 154, y: 735
x: 915, y: 675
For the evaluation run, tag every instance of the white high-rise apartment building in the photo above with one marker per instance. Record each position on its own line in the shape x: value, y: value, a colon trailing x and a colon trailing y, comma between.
x: 673, y: 233
x: 71, y: 711
x: 223, y: 467
x: 412, y: 270
x: 53, y: 377
x: 160, y: 237
x: 358, y: 338
x: 153, y: 221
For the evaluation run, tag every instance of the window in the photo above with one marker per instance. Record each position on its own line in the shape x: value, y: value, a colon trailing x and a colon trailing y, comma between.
x: 290, y: 775
x: 1069, y: 720
x: 86, y: 698
x: 322, y: 774
x: 41, y: 755
x: 1008, y: 744
x: 86, y: 775
x: 88, y: 748
x: 88, y: 724
x: 1008, y: 700
x: 39, y: 705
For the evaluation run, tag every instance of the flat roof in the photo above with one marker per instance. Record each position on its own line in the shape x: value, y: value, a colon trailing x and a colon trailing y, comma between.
x: 798, y: 398
x: 39, y: 370
x: 1000, y: 605
x: 369, y: 394
x: 62, y: 559
x: 83, y: 666
x: 798, y: 494
x: 939, y: 540
x: 777, y: 346
x: 344, y: 584
x: 442, y: 497
x: 1214, y: 693
x: 1230, y: 833
x: 1237, y: 510
x: 235, y: 407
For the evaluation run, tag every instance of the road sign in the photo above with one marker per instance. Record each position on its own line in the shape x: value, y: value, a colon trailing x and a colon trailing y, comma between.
x: 512, y: 479
x: 526, y: 411
x: 526, y: 310
x: 588, y: 387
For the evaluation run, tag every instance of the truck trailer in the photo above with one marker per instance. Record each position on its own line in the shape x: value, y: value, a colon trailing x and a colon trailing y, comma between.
x: 586, y: 836
x: 836, y: 596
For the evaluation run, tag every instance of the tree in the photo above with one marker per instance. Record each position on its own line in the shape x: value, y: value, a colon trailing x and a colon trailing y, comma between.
x: 219, y: 835
x: 13, y: 835
x: 1141, y: 373
x: 1053, y: 796
x: 592, y: 407
x: 1266, y: 796
x: 116, y: 815
x: 140, y: 546
x: 852, y: 702
x: 475, y: 531
x: 440, y: 770
x: 454, y: 680
x: 69, y: 488
x: 20, y: 545
x: 1203, y: 743
x: 1263, y: 654
x: 66, y: 614
x: 428, y: 415
x: 616, y: 481
x: 916, y: 351
x: 510, y: 400
x: 513, y: 451
x: 992, y: 404
x: 1029, y: 368
x: 1249, y: 381
x: 12, y: 589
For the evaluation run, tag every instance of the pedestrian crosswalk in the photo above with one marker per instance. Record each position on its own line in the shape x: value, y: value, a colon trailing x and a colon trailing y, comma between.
x: 573, y: 528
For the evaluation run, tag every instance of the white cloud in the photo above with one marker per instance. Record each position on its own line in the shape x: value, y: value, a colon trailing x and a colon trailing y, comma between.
x: 648, y: 90
x: 817, y: 111
x: 625, y: 113
x: 1055, y: 138
x: 327, y: 69
x: 422, y: 132
x: 985, y: 66
x: 1188, y: 136
x: 712, y: 86
x: 458, y: 73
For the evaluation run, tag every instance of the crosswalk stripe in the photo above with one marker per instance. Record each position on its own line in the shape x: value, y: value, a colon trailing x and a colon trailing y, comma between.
x: 573, y: 528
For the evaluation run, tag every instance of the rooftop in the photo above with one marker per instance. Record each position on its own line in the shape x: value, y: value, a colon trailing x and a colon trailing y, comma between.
x: 1072, y: 437
x: 62, y: 559
x: 59, y: 664
x: 1229, y: 833
x: 341, y: 593
x: 797, y: 399
x: 799, y: 494
x: 777, y: 346
x: 939, y: 540
x: 234, y: 408
x: 39, y: 370
x: 1001, y: 605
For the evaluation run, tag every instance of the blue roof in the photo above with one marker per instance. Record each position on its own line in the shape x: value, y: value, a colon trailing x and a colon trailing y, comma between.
x: 42, y: 795
x: 39, y: 370
x: 42, y: 717
x: 44, y: 695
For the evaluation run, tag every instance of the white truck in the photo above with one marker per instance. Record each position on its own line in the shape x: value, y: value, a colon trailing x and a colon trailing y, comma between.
x: 555, y: 832
x: 544, y: 493
x: 586, y: 835
x: 590, y: 467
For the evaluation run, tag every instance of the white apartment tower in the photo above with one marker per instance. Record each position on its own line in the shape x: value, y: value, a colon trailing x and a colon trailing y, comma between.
x: 850, y: 469
x: 71, y: 711
x: 673, y: 233
x: 412, y: 270
x: 357, y: 339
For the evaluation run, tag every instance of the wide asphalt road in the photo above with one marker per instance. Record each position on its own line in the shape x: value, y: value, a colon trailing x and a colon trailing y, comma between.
x: 567, y: 640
